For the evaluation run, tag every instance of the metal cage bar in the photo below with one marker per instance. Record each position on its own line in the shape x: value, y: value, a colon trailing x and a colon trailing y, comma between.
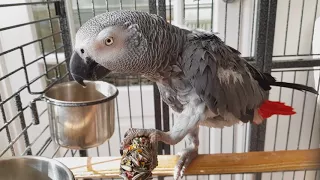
x: 264, y: 49
x: 16, y: 96
x: 264, y: 59
x: 66, y: 37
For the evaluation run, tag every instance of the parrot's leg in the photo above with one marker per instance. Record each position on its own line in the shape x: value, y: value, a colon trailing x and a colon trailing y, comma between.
x: 188, y: 154
x: 187, y: 122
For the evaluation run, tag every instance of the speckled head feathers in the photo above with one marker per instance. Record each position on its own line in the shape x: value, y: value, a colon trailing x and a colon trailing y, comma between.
x: 130, y: 42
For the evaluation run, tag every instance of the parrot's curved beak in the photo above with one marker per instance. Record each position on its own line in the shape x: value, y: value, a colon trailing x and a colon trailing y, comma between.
x: 87, y: 69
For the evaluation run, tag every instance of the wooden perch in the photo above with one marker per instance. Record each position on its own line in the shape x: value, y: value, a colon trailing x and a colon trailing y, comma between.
x: 231, y: 163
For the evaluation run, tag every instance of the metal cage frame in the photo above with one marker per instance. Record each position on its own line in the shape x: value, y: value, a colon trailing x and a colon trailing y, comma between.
x: 263, y: 59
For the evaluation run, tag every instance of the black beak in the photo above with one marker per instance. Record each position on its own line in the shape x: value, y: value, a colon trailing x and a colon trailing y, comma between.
x: 87, y: 69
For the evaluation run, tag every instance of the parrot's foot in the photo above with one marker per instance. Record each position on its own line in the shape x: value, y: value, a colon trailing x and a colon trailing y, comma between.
x: 186, y: 157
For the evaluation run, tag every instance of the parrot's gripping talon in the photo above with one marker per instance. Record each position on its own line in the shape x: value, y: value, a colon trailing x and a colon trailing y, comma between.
x: 186, y: 157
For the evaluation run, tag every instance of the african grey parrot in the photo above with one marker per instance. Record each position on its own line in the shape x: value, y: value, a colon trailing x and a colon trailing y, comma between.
x: 203, y: 80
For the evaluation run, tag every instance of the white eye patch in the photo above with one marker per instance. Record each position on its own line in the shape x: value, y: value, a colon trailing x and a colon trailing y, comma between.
x: 113, y: 32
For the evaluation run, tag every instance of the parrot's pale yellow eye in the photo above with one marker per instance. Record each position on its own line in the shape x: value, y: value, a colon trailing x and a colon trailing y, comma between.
x: 108, y: 41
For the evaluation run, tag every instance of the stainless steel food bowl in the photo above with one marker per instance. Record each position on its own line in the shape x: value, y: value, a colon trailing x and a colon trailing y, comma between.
x: 81, y: 118
x: 33, y: 168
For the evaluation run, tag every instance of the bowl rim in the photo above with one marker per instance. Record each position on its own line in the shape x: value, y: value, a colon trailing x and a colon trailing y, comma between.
x: 51, y: 160
x: 80, y: 103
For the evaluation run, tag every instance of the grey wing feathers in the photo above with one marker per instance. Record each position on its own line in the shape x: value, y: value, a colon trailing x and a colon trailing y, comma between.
x: 169, y: 96
x: 220, y: 77
x: 201, y: 74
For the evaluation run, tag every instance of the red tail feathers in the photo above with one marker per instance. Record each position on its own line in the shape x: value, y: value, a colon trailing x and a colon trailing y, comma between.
x: 269, y: 108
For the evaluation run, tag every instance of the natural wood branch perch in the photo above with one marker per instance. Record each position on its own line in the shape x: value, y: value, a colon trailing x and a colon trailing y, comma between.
x: 108, y: 167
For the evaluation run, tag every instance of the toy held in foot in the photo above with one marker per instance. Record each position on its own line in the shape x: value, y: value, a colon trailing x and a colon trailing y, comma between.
x: 138, y: 160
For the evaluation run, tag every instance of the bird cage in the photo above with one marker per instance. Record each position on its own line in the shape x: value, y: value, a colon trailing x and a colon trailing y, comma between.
x: 278, y: 37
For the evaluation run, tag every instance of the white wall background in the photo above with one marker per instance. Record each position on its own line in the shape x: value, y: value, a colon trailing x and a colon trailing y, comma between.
x: 306, y: 111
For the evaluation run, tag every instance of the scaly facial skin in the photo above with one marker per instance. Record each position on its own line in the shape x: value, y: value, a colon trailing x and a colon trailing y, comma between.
x: 83, y: 62
x: 95, y: 57
x: 100, y: 49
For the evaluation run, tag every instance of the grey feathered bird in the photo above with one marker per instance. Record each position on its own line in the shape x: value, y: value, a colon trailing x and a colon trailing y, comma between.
x: 202, y: 79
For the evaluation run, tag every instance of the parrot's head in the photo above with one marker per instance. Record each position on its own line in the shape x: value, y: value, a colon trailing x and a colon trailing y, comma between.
x: 108, y: 42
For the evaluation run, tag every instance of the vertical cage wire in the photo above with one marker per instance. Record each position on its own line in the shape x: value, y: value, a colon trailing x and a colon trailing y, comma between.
x: 294, y: 39
x: 34, y: 144
x: 136, y: 89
